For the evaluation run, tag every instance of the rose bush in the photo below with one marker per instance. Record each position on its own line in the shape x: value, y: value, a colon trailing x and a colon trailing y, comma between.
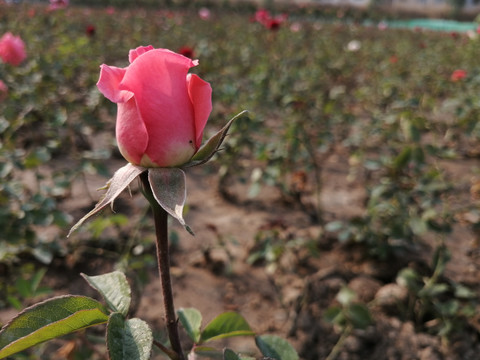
x: 12, y: 49
x: 162, y: 110
x: 3, y: 90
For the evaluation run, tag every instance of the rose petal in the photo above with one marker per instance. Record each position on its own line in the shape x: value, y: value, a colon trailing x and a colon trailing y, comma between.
x: 134, y: 53
x: 108, y: 84
x: 200, y: 93
x: 132, y: 135
x: 158, y: 80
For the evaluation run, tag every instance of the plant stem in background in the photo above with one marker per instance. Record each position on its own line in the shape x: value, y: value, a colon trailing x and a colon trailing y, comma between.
x: 163, y: 257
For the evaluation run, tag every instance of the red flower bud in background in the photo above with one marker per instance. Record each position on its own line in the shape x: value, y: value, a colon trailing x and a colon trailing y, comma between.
x: 162, y: 110
x: 90, y: 30
x: 270, y: 22
x: 12, y: 49
x: 458, y: 75
x: 186, y: 51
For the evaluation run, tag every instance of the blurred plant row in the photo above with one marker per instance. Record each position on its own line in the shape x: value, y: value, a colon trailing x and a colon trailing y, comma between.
x: 390, y: 105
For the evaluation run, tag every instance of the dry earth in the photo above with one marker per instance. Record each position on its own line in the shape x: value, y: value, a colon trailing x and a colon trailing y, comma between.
x: 211, y: 273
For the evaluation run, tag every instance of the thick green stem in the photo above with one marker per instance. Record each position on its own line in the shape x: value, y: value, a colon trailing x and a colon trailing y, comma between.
x: 163, y: 257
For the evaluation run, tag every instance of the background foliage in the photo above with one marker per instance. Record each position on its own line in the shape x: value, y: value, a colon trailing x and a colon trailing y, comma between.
x: 382, y: 99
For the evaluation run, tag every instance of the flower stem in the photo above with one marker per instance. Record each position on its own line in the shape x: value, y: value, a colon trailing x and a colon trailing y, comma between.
x: 163, y: 257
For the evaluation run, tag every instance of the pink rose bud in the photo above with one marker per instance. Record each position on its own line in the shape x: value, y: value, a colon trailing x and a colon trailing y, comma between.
x: 58, y: 4
x: 12, y: 49
x: 204, y: 13
x: 162, y: 110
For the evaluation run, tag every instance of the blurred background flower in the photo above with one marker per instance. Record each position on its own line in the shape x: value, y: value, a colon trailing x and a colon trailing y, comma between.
x: 12, y: 49
x: 458, y: 75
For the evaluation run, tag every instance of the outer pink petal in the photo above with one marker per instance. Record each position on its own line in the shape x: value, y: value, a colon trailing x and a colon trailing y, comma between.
x: 134, y: 53
x: 200, y: 93
x: 158, y: 80
x: 12, y: 49
x: 132, y: 135
x: 109, y: 81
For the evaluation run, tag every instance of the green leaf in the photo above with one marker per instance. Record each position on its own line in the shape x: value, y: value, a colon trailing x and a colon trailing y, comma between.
x: 212, y: 145
x: 226, y: 325
x: 50, y: 319
x: 206, y: 352
x: 334, y: 315
x: 191, y: 320
x: 115, y: 186
x: 408, y: 278
x: 433, y: 290
x: 275, y: 347
x: 114, y: 289
x: 359, y: 316
x: 128, y: 339
x: 230, y: 355
x: 37, y: 279
x: 402, y: 159
x: 463, y: 292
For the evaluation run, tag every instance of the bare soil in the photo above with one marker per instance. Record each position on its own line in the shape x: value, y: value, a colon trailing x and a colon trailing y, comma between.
x: 211, y: 272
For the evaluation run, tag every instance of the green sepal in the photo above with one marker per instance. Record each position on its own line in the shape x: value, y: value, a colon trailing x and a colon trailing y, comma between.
x: 169, y: 187
x: 115, y: 186
x: 212, y: 145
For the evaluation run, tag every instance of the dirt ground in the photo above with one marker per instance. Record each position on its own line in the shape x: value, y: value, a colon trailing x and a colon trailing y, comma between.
x: 211, y: 272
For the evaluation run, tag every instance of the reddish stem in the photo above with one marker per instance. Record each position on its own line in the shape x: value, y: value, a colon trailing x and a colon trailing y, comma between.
x: 163, y: 257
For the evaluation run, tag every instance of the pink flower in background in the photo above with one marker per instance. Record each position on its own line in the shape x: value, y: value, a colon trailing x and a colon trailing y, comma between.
x: 264, y: 17
x: 382, y: 25
x: 296, y: 27
x: 458, y: 75
x: 162, y: 110
x: 58, y: 4
x: 3, y: 90
x: 204, y: 13
x: 12, y: 49
x: 261, y: 16
x: 110, y: 10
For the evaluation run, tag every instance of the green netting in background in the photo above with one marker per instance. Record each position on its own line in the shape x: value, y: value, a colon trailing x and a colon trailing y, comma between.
x: 434, y: 24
